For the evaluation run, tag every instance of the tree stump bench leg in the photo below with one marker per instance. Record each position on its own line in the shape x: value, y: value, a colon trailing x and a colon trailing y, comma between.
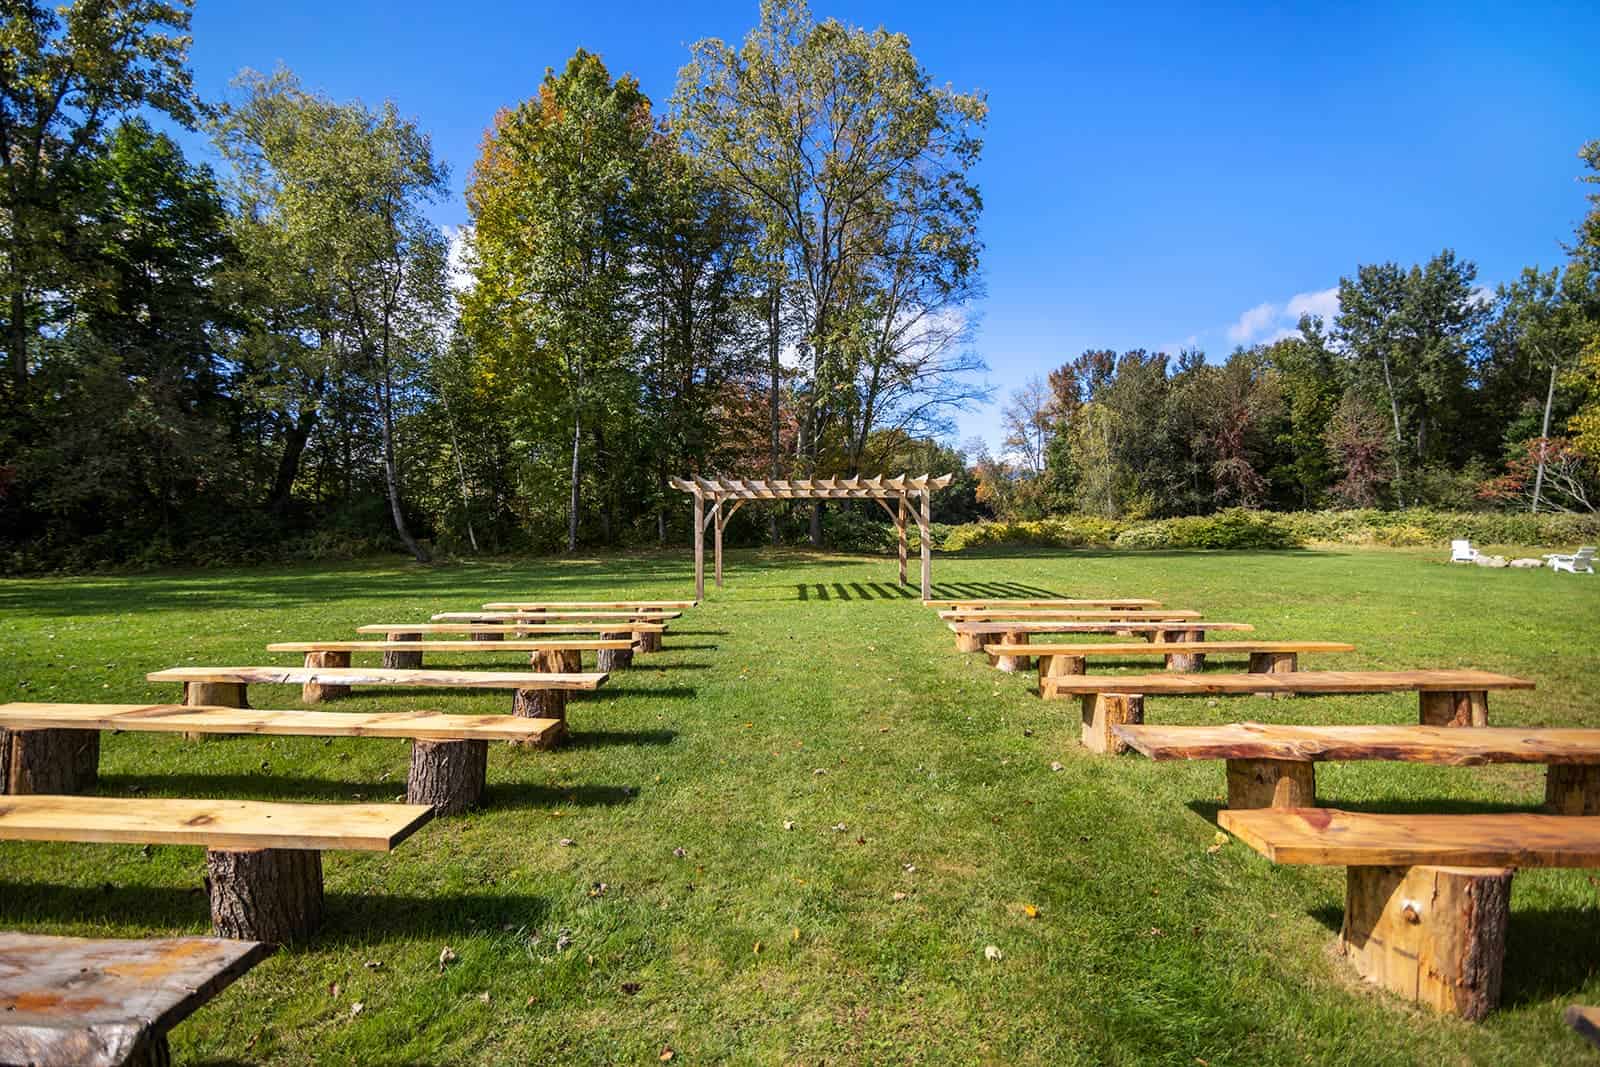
x: 48, y: 761
x: 548, y: 703
x: 450, y: 775
x: 1011, y: 664
x: 1274, y: 663
x: 649, y: 641
x: 152, y: 1051
x: 1102, y: 711
x: 966, y: 642
x: 265, y: 894
x: 400, y: 659
x: 1187, y: 662
x: 1435, y: 935
x: 317, y: 692
x: 1572, y: 789
x: 1272, y: 783
x: 492, y: 635
x: 214, y: 694
x: 1058, y: 666
x: 615, y: 659
x: 1467, y: 708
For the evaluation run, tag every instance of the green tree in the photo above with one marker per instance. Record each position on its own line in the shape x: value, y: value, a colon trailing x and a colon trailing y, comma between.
x: 1311, y: 380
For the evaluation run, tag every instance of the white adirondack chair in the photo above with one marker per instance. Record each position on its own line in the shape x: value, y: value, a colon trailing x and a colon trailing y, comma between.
x: 1579, y: 562
x: 1462, y: 552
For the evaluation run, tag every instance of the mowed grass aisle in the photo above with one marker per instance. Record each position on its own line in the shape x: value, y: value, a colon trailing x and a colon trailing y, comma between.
x: 927, y: 824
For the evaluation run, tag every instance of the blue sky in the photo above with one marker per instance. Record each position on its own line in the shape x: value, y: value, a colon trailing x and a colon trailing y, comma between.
x: 1154, y: 175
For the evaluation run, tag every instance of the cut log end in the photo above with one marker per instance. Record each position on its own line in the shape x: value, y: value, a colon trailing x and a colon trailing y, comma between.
x: 1274, y: 663
x: 1055, y: 666
x: 1102, y: 711
x: 969, y: 642
x: 450, y: 775
x: 1272, y: 783
x: 1434, y: 935
x: 1467, y: 708
x: 48, y: 761
x: 269, y: 894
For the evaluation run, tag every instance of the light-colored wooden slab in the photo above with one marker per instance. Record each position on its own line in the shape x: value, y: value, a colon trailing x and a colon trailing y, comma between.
x: 1330, y: 837
x: 381, y: 676
x: 1071, y: 602
x: 174, y: 718
x: 569, y: 645
x: 74, y: 1000
x: 1448, y: 745
x: 1296, y: 682
x: 1161, y: 648
x: 620, y: 626
x: 556, y: 616
x: 597, y: 605
x: 219, y: 824
x: 1068, y: 614
x: 1585, y: 1020
x: 1070, y: 627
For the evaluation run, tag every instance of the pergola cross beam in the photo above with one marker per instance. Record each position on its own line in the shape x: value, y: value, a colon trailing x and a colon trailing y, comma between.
x: 711, y: 493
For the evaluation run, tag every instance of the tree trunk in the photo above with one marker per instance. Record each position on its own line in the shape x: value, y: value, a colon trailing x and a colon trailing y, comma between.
x: 1544, y: 439
x: 572, y: 498
x: 402, y: 659
x: 615, y: 659
x: 774, y: 331
x: 391, y: 475
x: 48, y: 761
x: 461, y: 470
x: 294, y: 447
x: 816, y: 524
x: 268, y: 894
x: 450, y: 775
x: 17, y: 341
x: 1394, y: 410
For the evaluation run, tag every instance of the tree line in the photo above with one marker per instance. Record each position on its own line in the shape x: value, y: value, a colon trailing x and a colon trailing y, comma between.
x: 769, y: 274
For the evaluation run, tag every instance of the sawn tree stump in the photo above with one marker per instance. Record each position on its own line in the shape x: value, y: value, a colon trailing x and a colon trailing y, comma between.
x: 615, y: 659
x: 48, y: 761
x: 268, y: 894
x: 450, y: 775
x: 402, y: 659
x: 1272, y: 783
x: 317, y: 692
x: 1469, y: 708
x: 1274, y: 663
x: 1102, y: 711
x: 1186, y: 661
x: 1572, y: 789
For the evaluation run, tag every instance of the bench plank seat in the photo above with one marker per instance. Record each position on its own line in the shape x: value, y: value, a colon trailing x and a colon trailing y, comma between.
x: 101, y: 1003
x: 182, y: 718
x: 1413, y: 744
x: 1111, y: 650
x: 555, y: 616
x: 569, y: 645
x: 598, y: 605
x: 213, y: 824
x: 534, y: 627
x: 1330, y: 837
x: 1585, y: 1020
x: 1069, y: 615
x: 585, y: 682
x: 1321, y: 682
x: 1071, y: 626
x: 1124, y: 602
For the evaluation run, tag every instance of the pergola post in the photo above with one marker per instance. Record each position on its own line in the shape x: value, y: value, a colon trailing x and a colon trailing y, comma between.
x: 900, y: 536
x: 927, y: 544
x: 699, y: 547
x: 717, y: 519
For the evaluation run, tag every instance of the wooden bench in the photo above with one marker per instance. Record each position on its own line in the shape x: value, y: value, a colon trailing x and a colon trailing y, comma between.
x: 1446, y: 698
x: 263, y: 860
x: 599, y: 605
x: 1073, y: 615
x: 106, y: 1003
x: 1427, y: 897
x: 55, y: 748
x: 1125, y: 602
x: 644, y: 636
x: 977, y: 636
x: 1272, y: 766
x: 1066, y: 658
x: 556, y: 616
x: 557, y: 656
x: 535, y: 694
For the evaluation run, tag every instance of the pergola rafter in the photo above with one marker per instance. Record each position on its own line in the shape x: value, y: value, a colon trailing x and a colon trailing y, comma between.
x: 902, y: 489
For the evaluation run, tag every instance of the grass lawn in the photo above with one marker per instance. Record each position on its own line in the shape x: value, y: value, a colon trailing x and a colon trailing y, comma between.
x: 927, y: 823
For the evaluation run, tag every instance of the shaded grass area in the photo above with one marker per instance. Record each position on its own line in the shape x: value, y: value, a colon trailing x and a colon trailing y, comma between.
x: 814, y: 690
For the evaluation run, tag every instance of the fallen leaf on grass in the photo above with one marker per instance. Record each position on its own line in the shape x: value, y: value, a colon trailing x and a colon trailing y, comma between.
x: 357, y: 1008
x: 1055, y: 765
x: 666, y: 1054
x: 992, y: 952
x: 898, y: 897
x: 484, y: 996
x: 680, y: 852
x: 1030, y: 911
x: 567, y: 842
x: 757, y: 950
x: 447, y: 956
x: 788, y: 824
x: 1217, y: 843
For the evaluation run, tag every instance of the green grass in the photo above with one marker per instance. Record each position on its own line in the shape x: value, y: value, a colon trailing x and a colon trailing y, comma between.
x: 812, y: 690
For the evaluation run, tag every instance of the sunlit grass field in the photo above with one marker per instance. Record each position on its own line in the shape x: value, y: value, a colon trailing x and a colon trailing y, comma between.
x: 927, y: 823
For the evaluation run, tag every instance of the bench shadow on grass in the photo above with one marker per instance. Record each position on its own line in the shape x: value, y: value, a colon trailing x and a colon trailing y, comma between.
x: 360, y: 918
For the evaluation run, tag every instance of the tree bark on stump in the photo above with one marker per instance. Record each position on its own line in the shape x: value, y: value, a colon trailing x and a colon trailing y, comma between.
x: 1102, y: 711
x: 492, y: 635
x: 1012, y: 664
x: 1435, y: 935
x: 1187, y: 662
x: 547, y: 703
x: 615, y: 659
x: 267, y: 894
x: 1272, y: 783
x: 1469, y: 708
x: 317, y: 692
x: 969, y: 642
x: 649, y: 641
x: 1059, y: 666
x: 213, y: 694
x: 400, y: 659
x: 1572, y: 789
x: 1274, y: 663
x: 48, y: 761
x: 153, y: 1051
x: 450, y: 775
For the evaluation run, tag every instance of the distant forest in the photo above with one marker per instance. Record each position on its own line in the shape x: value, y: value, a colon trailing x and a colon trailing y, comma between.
x: 771, y: 274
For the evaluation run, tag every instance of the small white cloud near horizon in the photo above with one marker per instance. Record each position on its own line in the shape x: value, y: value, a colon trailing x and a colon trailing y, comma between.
x: 1268, y: 322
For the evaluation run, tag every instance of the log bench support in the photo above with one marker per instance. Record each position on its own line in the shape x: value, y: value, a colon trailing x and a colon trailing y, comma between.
x: 450, y: 775
x: 966, y: 642
x: 1011, y: 664
x: 1102, y: 711
x: 615, y: 659
x: 400, y: 659
x: 265, y: 894
x: 48, y: 761
x: 1274, y: 663
x: 1057, y: 665
x: 317, y: 692
x: 1184, y: 661
x: 1434, y: 935
x: 1272, y: 783
x: 647, y: 641
x: 213, y: 694
x: 1467, y: 708
x: 492, y: 635
x: 548, y: 703
x: 1572, y: 789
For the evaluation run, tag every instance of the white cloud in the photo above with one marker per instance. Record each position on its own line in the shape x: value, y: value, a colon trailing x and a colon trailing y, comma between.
x: 458, y: 265
x: 1269, y: 322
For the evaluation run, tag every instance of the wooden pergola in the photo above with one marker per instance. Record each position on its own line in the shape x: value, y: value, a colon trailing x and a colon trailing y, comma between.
x: 735, y: 491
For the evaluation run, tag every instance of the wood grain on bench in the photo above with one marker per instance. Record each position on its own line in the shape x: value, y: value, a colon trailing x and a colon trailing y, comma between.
x: 1069, y: 615
x: 1330, y: 837
x: 556, y: 616
x: 620, y: 626
x: 570, y: 645
x: 1413, y: 744
x: 381, y: 676
x: 598, y: 605
x: 169, y: 718
x: 1071, y: 626
x: 1123, y: 602
x: 1154, y: 648
x: 1321, y: 682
